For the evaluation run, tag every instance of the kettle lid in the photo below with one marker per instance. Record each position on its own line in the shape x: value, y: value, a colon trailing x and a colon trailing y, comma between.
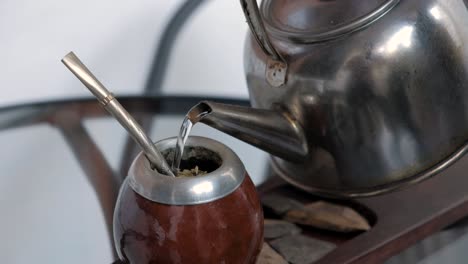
x: 310, y: 21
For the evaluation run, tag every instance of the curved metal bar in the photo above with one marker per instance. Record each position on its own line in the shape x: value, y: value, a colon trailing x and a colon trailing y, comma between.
x: 163, y: 51
x: 157, y: 73
x: 39, y: 112
x: 93, y: 163
x: 277, y: 67
x: 255, y: 21
x: 110, y: 103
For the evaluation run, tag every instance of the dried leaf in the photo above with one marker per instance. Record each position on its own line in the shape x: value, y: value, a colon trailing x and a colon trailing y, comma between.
x: 191, y: 173
x: 280, y: 204
x: 278, y: 228
x: 270, y: 256
x: 328, y: 216
x: 299, y: 249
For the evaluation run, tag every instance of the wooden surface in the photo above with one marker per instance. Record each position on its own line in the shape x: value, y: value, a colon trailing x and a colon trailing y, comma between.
x: 399, y: 219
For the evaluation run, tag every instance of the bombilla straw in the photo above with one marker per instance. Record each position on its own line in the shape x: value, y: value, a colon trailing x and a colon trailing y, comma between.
x: 111, y: 104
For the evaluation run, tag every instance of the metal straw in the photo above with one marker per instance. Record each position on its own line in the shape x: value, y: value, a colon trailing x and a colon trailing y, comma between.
x: 110, y: 103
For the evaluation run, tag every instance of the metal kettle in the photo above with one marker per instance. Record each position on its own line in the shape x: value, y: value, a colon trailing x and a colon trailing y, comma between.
x: 356, y: 97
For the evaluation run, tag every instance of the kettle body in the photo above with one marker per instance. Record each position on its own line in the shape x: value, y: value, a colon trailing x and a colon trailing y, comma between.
x: 379, y: 88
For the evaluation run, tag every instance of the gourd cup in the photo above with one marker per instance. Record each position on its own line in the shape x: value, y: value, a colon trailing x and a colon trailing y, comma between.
x: 210, y: 218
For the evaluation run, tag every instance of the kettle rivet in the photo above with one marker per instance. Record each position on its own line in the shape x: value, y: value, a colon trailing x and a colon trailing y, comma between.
x: 276, y: 73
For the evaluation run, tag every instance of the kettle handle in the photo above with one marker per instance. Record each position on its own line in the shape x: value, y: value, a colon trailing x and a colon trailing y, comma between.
x: 276, y: 70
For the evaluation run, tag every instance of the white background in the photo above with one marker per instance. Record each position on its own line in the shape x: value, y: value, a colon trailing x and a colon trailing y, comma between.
x: 117, y: 39
x: 49, y: 210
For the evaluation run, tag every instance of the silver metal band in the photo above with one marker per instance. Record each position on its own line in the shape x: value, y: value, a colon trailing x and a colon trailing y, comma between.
x: 106, y: 100
x: 188, y: 190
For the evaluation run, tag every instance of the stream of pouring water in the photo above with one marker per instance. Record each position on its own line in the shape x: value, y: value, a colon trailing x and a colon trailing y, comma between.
x: 192, y: 117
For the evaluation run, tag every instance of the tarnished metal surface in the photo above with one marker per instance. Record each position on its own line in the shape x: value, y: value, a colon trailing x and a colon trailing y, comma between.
x: 275, y: 73
x: 188, y: 190
x: 270, y: 130
x: 308, y: 21
x: 382, y: 106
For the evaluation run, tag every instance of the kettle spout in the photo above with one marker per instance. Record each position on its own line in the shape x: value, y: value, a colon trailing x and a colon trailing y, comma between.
x: 276, y: 132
